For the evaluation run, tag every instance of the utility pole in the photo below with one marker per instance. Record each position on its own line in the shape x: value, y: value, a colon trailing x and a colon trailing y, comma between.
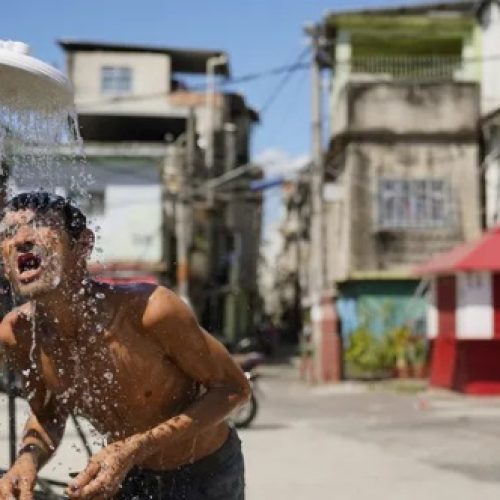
x: 212, y: 207
x: 317, y: 267
x: 323, y: 315
x: 182, y: 222
x: 232, y: 209
x: 178, y: 168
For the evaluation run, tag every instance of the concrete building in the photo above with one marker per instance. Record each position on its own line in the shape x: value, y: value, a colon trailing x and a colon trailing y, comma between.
x: 135, y: 108
x: 287, y: 270
x: 488, y: 17
x: 402, y: 162
x: 488, y: 29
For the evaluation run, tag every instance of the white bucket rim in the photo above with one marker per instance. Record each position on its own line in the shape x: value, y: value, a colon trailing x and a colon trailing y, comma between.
x: 29, y: 83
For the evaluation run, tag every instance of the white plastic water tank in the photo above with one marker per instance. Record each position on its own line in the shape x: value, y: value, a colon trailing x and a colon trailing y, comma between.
x: 28, y: 83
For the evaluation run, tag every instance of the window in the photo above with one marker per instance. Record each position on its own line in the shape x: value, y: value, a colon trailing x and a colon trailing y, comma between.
x: 413, y: 203
x: 116, y: 80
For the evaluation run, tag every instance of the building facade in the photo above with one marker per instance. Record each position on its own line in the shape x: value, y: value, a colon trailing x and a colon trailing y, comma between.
x: 488, y: 18
x: 148, y: 139
x: 402, y: 161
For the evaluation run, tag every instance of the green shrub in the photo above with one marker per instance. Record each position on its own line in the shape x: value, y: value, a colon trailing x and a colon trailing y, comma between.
x: 368, y: 355
x: 395, y: 345
x: 417, y: 351
x: 363, y: 352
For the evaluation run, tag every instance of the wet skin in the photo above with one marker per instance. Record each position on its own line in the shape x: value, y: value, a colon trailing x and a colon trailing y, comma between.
x: 131, y: 359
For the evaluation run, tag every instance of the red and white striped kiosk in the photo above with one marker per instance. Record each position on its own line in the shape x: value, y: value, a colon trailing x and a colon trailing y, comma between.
x: 463, y: 318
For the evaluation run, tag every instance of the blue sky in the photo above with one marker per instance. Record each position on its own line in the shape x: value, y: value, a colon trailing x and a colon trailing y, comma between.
x: 257, y: 34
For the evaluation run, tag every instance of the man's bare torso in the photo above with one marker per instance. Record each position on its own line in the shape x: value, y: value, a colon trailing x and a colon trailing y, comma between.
x: 112, y: 372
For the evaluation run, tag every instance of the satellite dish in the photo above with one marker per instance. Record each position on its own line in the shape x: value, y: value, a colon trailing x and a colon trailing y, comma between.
x: 26, y: 83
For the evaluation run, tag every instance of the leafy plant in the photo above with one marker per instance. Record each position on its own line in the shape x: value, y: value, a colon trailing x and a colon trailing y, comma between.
x: 367, y: 354
x: 417, y: 351
x: 363, y: 351
x: 395, y: 347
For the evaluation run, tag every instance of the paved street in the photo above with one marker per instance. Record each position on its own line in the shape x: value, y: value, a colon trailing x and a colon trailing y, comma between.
x: 352, y: 442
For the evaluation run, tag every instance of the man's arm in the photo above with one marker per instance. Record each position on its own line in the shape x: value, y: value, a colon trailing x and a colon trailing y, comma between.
x: 201, y: 357
x: 42, y: 434
x: 171, y: 322
x: 43, y: 430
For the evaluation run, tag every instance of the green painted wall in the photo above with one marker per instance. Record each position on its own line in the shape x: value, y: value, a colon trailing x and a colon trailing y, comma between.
x: 384, y: 304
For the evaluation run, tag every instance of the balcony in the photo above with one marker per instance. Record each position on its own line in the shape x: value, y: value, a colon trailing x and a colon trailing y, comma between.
x: 411, y: 67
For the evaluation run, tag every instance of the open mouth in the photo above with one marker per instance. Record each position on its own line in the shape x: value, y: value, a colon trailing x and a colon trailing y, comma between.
x: 28, y: 266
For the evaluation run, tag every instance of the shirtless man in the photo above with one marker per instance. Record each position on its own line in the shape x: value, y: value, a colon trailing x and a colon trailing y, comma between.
x: 131, y: 359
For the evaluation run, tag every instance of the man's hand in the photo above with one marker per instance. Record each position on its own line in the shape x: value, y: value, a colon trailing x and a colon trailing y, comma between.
x: 104, y: 473
x: 19, y: 481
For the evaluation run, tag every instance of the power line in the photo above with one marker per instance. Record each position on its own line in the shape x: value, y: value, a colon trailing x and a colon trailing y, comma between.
x: 282, y: 83
x: 301, y: 66
x: 289, y: 109
x: 276, y: 71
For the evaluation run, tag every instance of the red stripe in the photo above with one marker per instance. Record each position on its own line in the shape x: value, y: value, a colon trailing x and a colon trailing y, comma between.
x: 496, y: 305
x: 446, y: 302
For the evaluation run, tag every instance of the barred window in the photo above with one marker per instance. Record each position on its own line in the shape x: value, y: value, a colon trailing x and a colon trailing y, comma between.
x: 413, y: 203
x: 116, y: 80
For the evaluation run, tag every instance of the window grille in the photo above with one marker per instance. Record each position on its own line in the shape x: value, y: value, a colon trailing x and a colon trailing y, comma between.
x: 413, y: 203
x: 116, y: 80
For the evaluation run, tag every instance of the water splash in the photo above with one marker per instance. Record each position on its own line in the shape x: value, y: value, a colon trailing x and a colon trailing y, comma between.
x: 33, y: 343
x: 43, y: 150
x: 41, y: 126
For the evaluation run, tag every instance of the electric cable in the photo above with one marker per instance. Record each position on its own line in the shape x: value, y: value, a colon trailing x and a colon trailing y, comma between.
x: 290, y: 68
x: 282, y: 83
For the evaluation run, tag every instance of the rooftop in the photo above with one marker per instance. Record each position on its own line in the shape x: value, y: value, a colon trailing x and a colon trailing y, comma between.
x: 479, y: 255
x: 423, y: 29
x: 192, y: 61
x: 465, y: 6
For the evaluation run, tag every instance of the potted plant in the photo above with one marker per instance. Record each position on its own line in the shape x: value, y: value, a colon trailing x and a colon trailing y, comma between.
x: 363, y: 355
x: 419, y: 357
x: 397, y: 342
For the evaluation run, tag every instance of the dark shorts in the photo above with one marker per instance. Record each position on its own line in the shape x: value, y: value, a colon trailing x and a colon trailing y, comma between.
x: 220, y: 476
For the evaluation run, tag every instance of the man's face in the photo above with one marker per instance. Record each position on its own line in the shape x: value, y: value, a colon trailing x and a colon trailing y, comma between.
x: 37, y: 251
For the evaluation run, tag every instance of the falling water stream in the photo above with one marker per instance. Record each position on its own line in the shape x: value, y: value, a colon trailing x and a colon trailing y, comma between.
x: 41, y: 149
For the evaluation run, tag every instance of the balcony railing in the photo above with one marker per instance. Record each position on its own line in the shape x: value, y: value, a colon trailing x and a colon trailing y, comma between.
x: 407, y: 67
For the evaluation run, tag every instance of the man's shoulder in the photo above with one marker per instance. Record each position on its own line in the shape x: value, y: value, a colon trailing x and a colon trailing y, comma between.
x: 12, y: 321
x: 149, y: 303
x: 165, y: 305
x: 131, y: 290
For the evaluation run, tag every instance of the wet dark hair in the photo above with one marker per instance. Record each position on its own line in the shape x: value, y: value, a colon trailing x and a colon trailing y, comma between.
x: 41, y: 202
